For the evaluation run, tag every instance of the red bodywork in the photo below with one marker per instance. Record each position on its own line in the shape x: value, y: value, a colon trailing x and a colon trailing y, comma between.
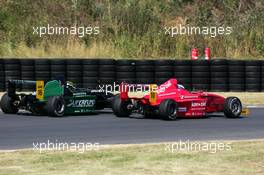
x: 190, y: 104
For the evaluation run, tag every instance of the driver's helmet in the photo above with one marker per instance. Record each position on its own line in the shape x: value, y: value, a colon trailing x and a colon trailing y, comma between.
x: 180, y: 86
x: 70, y: 84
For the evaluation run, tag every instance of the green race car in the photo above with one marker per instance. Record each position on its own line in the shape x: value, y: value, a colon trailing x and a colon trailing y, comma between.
x: 53, y: 98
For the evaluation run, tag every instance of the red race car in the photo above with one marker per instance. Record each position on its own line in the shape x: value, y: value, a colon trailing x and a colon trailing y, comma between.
x: 170, y: 100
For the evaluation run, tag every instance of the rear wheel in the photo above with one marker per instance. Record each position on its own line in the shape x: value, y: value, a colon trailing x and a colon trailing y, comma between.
x: 168, y: 109
x: 55, y: 106
x: 7, y: 105
x: 120, y: 108
x: 232, y: 107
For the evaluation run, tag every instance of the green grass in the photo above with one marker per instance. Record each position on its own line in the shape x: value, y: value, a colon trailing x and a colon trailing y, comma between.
x: 245, y: 157
x: 132, y: 29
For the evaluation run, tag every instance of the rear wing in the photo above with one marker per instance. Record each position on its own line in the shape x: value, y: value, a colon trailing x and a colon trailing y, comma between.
x: 12, y: 86
x: 126, y: 88
x: 43, y: 90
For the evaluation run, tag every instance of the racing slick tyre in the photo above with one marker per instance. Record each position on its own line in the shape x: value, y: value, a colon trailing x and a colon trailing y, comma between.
x: 120, y: 107
x: 7, y: 105
x: 168, y: 109
x: 55, y: 106
x: 232, y: 107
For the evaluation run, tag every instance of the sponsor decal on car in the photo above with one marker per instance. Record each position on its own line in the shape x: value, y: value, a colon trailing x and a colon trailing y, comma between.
x: 189, y: 97
x: 81, y: 103
x: 79, y: 94
x: 182, y: 109
x: 198, y: 104
x: 195, y: 114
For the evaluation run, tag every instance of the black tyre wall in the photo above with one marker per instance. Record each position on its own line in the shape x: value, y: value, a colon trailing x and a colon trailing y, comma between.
x: 201, y: 75
x: 27, y: 72
x: 74, y: 71
x: 253, y: 76
x: 236, y: 70
x: 163, y: 71
x: 2, y: 76
x: 90, y: 75
x: 42, y: 69
x: 219, y: 75
x: 107, y: 71
x: 182, y: 70
x: 58, y: 69
x: 262, y: 76
x: 216, y: 75
x: 125, y: 71
x: 12, y: 71
x: 145, y: 71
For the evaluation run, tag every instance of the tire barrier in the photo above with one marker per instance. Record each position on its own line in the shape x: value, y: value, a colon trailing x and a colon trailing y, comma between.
x: 215, y: 75
x: 125, y: 71
x: 236, y: 74
x: 219, y: 75
x: 57, y: 67
x: 145, y: 71
x: 2, y: 76
x: 253, y: 76
x: 107, y: 71
x: 262, y: 76
x: 182, y: 70
x: 42, y: 69
x: 74, y: 71
x: 201, y: 75
x: 163, y: 71
x: 27, y: 71
x: 12, y: 70
x: 90, y: 74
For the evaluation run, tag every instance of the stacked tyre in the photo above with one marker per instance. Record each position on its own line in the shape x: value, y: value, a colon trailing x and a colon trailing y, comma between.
x: 12, y: 70
x: 58, y: 69
x: 107, y: 72
x: 253, y: 76
x: 125, y: 71
x: 145, y: 71
x: 183, y: 72
x: 201, y: 75
x: 90, y: 74
x: 236, y: 71
x: 74, y: 71
x: 163, y: 71
x: 262, y: 76
x: 219, y: 75
x: 27, y: 72
x: 42, y: 69
x: 2, y: 76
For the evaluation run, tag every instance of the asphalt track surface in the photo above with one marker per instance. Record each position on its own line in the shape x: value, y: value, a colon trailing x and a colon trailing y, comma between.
x: 21, y: 131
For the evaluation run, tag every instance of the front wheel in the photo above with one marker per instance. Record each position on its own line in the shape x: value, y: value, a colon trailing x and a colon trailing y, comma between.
x: 7, y: 105
x: 120, y: 108
x: 168, y: 109
x: 232, y: 107
x: 55, y: 106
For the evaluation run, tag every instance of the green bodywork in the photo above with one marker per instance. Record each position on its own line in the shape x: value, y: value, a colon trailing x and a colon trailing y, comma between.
x: 79, y: 102
x: 52, y: 88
